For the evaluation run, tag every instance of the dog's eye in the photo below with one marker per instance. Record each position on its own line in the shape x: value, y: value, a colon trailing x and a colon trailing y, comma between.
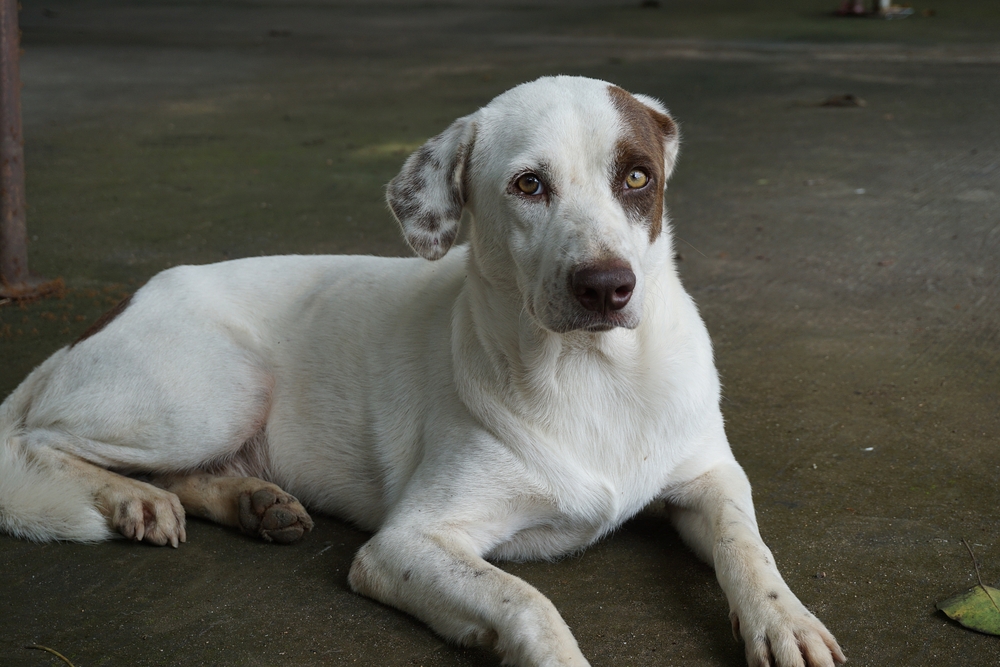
x: 637, y: 178
x: 530, y: 184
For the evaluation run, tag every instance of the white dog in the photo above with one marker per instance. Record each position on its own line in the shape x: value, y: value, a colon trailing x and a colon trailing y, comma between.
x: 519, y: 398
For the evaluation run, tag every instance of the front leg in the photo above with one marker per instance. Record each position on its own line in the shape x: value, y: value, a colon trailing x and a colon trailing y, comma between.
x: 434, y: 573
x: 714, y: 515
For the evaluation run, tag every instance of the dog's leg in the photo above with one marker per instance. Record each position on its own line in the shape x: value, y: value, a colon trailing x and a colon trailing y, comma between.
x: 137, y: 510
x: 439, y: 578
x: 715, y: 516
x: 254, y: 506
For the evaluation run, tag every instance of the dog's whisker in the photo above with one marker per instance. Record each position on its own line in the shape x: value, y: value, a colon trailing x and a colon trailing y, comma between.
x: 692, y: 247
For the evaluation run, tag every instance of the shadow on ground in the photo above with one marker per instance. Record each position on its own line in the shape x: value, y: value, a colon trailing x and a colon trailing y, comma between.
x: 845, y: 259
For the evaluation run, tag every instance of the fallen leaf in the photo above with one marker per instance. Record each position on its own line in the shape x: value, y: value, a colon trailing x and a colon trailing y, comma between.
x: 976, y: 609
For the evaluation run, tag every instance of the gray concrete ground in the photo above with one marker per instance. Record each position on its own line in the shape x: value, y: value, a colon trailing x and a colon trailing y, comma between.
x: 845, y: 259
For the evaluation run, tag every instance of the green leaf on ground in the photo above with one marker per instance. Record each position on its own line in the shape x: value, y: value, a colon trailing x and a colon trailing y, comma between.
x: 977, y: 609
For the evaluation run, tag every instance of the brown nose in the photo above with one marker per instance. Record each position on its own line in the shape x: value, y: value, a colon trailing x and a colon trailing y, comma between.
x: 603, y: 289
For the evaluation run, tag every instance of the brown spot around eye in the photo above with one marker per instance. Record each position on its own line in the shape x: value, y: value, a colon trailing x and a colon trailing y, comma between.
x: 642, y: 143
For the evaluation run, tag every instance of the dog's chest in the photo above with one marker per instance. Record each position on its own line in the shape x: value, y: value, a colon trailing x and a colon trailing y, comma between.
x: 590, y: 491
x: 601, y: 456
x: 601, y: 423
x: 609, y: 461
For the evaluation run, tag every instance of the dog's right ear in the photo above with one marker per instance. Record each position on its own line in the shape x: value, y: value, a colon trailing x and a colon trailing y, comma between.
x: 428, y: 195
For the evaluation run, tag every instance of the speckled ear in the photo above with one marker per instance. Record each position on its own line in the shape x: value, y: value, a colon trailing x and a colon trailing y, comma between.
x: 428, y: 195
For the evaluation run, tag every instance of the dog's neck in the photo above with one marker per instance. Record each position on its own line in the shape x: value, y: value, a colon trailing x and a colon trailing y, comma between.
x: 533, y: 366
x: 550, y: 396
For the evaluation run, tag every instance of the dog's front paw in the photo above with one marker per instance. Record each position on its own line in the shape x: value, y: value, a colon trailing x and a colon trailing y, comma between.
x: 780, y: 632
x: 273, y: 515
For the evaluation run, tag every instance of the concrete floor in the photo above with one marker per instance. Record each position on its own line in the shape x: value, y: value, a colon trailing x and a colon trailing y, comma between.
x: 845, y: 260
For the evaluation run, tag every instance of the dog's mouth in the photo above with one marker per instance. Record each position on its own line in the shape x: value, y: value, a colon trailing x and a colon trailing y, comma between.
x: 609, y: 322
x: 597, y: 322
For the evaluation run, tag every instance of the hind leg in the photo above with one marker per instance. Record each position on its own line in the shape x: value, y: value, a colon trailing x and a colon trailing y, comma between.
x: 137, y: 510
x: 254, y: 506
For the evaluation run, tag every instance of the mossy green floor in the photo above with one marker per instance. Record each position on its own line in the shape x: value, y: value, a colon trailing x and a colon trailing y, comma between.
x: 845, y: 259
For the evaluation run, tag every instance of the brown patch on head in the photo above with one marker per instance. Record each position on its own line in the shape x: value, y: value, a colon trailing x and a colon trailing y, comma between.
x: 104, y: 320
x: 643, y: 146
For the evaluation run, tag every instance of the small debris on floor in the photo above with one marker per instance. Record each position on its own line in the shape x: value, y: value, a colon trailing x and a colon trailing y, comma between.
x: 895, y: 12
x: 880, y: 9
x: 852, y: 8
x: 846, y: 100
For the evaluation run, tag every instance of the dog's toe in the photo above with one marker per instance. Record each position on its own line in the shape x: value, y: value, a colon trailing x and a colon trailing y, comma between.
x: 788, y: 637
x: 273, y: 515
x: 154, y: 516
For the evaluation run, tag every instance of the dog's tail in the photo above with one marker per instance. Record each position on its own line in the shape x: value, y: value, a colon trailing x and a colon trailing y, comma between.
x: 37, y: 499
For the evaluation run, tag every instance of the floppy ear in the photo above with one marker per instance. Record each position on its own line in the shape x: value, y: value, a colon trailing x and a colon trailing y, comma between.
x: 428, y: 195
x: 671, y: 132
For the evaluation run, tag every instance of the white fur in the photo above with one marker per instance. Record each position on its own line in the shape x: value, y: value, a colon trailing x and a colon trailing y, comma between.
x: 452, y: 406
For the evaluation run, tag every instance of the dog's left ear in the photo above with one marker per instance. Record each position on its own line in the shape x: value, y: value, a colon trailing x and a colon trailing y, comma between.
x: 428, y: 195
x: 671, y: 132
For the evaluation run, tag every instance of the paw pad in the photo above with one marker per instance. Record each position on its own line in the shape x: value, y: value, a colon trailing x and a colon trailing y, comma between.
x: 274, y: 516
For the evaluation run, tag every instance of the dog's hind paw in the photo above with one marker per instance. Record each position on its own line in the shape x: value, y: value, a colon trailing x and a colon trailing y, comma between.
x: 147, y: 514
x: 273, y: 515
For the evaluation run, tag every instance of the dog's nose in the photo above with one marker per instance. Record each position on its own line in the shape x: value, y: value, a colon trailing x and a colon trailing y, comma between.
x: 603, y: 289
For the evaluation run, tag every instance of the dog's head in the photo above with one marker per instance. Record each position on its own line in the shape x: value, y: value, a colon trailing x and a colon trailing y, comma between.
x: 564, y: 180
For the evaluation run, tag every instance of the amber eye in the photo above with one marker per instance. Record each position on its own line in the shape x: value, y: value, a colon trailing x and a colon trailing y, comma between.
x: 636, y: 179
x: 530, y: 184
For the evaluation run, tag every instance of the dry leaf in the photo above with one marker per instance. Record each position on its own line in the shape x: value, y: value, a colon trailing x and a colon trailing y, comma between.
x: 976, y: 609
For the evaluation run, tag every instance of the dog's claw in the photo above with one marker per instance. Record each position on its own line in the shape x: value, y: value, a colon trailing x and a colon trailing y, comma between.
x: 144, y: 513
x: 274, y: 516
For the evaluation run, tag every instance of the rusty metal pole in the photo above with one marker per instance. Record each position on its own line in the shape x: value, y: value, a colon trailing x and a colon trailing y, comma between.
x: 15, y: 281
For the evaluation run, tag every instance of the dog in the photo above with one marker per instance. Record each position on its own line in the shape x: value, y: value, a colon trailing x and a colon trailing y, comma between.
x: 517, y: 398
